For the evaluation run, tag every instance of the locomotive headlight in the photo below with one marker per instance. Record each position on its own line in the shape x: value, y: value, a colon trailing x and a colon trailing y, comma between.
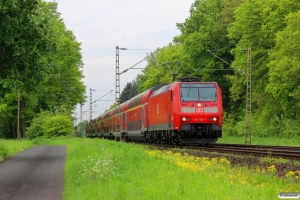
x: 214, y: 119
x: 199, y: 104
x: 185, y: 119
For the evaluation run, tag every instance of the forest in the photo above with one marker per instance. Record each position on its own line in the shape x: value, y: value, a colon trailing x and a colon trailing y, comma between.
x: 41, y: 61
x: 213, y: 44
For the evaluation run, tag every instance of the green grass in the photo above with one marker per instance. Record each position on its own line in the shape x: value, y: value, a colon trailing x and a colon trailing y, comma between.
x: 102, y: 169
x: 261, y: 141
x: 11, y: 147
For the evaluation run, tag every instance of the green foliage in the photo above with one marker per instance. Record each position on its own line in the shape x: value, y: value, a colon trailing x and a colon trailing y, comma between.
x: 274, y: 126
x: 47, y: 124
x: 158, y: 71
x: 81, y: 128
x: 129, y: 91
x: 11, y: 147
x: 23, y: 39
x: 227, y: 28
x: 40, y: 58
x: 36, y: 126
x: 58, y: 125
x: 256, y: 25
x: 112, y: 106
x: 3, y: 152
x: 285, y: 69
x: 95, y: 169
x: 229, y: 126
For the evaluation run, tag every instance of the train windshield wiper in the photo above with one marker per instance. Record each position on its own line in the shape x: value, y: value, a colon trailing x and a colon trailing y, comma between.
x: 181, y: 96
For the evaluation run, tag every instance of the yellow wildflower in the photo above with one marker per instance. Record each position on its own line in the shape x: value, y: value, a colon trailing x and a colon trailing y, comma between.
x: 290, y: 173
x: 272, y: 168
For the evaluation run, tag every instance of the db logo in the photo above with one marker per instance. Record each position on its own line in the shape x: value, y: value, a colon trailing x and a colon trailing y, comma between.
x: 199, y: 109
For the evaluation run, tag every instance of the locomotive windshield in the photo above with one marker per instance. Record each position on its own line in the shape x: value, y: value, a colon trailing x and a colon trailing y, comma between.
x: 198, y: 92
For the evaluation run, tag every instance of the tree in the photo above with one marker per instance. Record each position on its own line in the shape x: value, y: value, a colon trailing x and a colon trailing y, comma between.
x: 81, y: 128
x: 256, y: 25
x: 203, y: 37
x: 284, y: 68
x: 129, y: 91
x: 155, y: 72
x: 38, y: 57
x: 64, y: 85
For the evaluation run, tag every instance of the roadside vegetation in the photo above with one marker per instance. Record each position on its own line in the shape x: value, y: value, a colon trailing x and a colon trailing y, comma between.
x: 103, y: 169
x: 11, y: 147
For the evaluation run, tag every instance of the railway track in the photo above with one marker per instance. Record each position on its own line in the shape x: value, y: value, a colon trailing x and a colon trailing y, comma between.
x: 280, y: 148
x: 292, y: 153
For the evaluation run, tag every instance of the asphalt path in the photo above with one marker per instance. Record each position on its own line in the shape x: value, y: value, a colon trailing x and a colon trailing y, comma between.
x: 34, y: 174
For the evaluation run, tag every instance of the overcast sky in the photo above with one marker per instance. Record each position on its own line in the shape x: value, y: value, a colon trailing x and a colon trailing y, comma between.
x: 101, y: 25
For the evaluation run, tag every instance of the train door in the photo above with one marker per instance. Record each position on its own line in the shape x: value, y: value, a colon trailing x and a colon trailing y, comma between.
x: 143, y: 117
x: 170, y: 109
x: 110, y: 125
x: 125, y: 121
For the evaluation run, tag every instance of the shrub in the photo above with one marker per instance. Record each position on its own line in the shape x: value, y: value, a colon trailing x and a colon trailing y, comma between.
x: 46, y: 124
x: 35, y: 129
x: 58, y: 125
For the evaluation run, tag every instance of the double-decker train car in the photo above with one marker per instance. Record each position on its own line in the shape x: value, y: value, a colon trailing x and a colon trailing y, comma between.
x: 181, y: 113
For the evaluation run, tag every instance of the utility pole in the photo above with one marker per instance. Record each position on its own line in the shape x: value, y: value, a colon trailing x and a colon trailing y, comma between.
x: 117, y: 76
x: 80, y: 113
x: 80, y: 127
x: 75, y: 123
x: 18, y: 128
x: 91, y: 114
x: 248, y: 123
x: 248, y: 100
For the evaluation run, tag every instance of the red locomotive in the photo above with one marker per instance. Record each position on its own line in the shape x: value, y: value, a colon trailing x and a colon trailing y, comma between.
x: 180, y: 113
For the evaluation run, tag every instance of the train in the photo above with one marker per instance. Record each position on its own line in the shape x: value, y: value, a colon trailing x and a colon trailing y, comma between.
x: 183, y: 112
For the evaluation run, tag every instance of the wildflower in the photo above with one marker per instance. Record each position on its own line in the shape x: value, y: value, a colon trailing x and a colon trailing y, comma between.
x: 214, y: 160
x: 260, y: 170
x: 290, y: 173
x: 272, y: 168
x: 224, y: 160
x: 169, y: 152
x: 253, y: 180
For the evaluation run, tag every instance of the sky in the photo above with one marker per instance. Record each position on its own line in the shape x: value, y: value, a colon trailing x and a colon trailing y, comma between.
x: 101, y: 25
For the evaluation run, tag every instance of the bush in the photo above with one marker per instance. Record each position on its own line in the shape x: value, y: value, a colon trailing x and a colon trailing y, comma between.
x: 59, y: 125
x: 229, y: 126
x: 46, y: 124
x: 35, y: 129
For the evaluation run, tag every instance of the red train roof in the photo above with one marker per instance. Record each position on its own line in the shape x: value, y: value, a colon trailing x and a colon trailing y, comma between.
x: 143, y: 97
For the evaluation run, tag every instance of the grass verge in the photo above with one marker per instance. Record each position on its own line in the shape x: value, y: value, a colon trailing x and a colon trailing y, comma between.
x: 102, y: 169
x: 11, y: 147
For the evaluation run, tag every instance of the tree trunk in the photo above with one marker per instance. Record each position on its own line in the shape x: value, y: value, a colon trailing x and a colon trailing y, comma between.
x: 23, y: 129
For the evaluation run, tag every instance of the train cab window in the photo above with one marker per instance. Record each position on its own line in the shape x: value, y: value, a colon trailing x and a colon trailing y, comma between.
x: 198, y: 92
x: 207, y: 94
x: 190, y: 94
